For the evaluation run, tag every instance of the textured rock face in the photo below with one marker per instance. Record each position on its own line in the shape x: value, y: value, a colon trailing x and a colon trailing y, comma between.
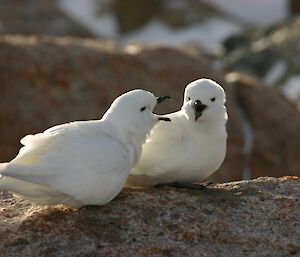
x: 294, y: 6
x: 52, y: 81
x: 47, y: 81
x: 273, y: 119
x: 40, y: 17
x: 131, y: 14
x: 248, y: 218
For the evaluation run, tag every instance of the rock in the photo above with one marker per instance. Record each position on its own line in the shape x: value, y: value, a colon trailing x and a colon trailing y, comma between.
x: 275, y: 123
x: 47, y: 81
x: 181, y: 13
x: 241, y: 55
x: 133, y: 14
x: 258, y: 51
x: 246, y: 218
x: 37, y: 17
x: 294, y: 7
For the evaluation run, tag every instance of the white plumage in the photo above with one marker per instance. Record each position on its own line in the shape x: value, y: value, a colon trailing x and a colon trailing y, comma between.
x: 193, y: 146
x: 83, y: 162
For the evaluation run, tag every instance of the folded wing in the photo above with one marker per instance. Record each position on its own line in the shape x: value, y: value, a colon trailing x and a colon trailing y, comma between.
x: 79, y: 159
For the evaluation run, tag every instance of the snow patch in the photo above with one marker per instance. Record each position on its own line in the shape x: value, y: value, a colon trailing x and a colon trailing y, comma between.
x: 276, y: 72
x: 83, y: 11
x: 208, y: 34
x: 292, y: 89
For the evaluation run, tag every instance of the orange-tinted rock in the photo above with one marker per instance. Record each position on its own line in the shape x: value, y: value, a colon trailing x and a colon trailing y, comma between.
x: 294, y: 7
x: 275, y: 123
x: 48, y: 81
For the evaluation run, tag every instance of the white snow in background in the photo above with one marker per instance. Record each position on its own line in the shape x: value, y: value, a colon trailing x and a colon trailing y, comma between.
x: 83, y: 11
x: 276, y: 72
x: 208, y: 34
x: 291, y: 88
x: 255, y: 12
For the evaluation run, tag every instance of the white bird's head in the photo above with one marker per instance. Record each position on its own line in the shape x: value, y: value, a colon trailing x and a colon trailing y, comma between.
x: 133, y: 112
x: 204, y: 101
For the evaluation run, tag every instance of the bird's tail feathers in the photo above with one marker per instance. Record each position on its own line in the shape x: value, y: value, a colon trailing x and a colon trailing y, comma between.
x: 36, y: 193
x: 20, y: 186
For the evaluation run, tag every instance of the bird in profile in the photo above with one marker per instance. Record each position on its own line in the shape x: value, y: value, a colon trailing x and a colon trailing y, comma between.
x: 193, y: 147
x: 83, y: 162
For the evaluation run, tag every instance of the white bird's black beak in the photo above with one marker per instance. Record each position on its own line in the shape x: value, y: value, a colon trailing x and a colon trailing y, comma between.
x: 160, y: 99
x: 164, y: 119
x: 199, y: 108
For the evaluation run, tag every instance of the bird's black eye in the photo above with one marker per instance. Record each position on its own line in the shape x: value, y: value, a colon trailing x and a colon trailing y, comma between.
x: 212, y: 99
x: 143, y: 108
x: 189, y: 98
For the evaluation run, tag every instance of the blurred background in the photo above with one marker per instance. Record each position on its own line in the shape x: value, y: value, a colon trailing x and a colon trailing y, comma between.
x: 67, y: 60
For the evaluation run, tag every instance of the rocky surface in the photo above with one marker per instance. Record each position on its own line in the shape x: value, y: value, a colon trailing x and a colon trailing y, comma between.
x: 247, y: 218
x: 294, y: 6
x: 273, y: 118
x: 40, y: 17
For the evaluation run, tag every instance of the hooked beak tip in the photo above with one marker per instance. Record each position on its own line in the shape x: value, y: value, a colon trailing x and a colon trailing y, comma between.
x: 164, y: 119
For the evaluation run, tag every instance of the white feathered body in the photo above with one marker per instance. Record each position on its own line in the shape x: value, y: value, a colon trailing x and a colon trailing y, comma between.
x: 80, y: 163
x: 180, y: 151
x: 84, y: 162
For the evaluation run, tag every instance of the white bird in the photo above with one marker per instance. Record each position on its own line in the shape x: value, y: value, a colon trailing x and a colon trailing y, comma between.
x: 83, y: 162
x: 193, y: 147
